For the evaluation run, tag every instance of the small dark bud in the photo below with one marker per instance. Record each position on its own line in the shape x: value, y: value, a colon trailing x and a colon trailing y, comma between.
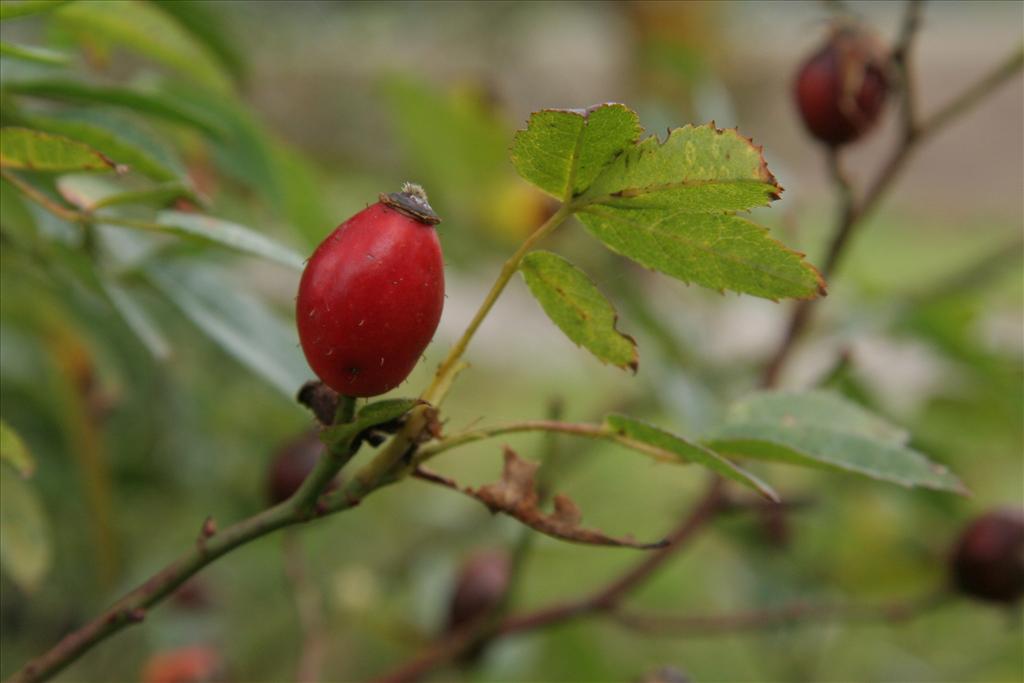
x: 320, y: 399
x: 479, y: 588
x: 988, y: 559
x: 193, y: 595
x: 841, y: 88
x: 292, y: 463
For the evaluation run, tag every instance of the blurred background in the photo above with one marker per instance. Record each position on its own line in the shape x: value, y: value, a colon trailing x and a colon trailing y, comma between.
x: 154, y: 382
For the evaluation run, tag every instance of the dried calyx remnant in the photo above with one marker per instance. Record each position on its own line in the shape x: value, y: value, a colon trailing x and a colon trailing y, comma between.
x: 412, y: 201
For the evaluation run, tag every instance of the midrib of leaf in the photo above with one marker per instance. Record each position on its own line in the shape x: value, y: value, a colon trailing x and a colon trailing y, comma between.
x: 652, y: 228
x: 560, y: 291
x: 574, y: 169
x: 630, y: 192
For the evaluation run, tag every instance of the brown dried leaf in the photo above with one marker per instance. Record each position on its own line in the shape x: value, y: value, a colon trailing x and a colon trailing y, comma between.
x: 516, y: 495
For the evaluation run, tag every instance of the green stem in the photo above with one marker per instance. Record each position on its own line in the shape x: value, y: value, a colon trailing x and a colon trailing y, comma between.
x: 587, y: 431
x: 438, y: 389
x: 210, y: 545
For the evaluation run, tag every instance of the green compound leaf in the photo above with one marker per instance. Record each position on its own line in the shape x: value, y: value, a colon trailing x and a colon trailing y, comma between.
x: 671, y: 205
x: 820, y: 429
x: 562, y: 151
x: 341, y: 437
x: 14, y: 452
x: 574, y: 304
x: 666, y: 446
x: 32, y: 150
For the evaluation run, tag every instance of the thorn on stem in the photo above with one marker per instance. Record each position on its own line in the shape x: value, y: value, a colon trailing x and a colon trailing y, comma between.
x: 209, y: 527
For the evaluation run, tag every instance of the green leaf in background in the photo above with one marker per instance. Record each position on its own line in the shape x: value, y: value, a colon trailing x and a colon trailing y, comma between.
x: 451, y: 141
x: 340, y: 437
x: 229, y: 235
x: 819, y: 429
x: 147, y: 30
x: 37, y: 55
x: 91, y: 192
x: 205, y: 25
x: 239, y: 323
x: 251, y: 154
x: 157, y: 195
x: 14, y: 452
x: 562, y: 151
x: 649, y: 439
x: 32, y: 150
x: 25, y: 545
x: 151, y: 103
x: 578, y: 308
x: 148, y: 158
x: 11, y: 9
x: 137, y: 319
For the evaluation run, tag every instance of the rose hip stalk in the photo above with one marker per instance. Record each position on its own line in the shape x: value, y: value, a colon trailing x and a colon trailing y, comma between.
x: 371, y: 296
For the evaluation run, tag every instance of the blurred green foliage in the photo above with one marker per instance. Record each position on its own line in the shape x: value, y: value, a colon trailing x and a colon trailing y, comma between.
x: 150, y: 375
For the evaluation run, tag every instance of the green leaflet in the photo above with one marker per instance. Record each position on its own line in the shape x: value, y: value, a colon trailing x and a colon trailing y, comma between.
x: 819, y: 429
x: 574, y: 304
x: 560, y: 148
x: 645, y: 437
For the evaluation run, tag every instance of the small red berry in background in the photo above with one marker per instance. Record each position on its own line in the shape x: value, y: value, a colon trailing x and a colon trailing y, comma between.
x: 371, y: 295
x: 988, y: 558
x: 841, y: 88
x: 479, y: 588
x: 292, y: 463
x: 193, y: 664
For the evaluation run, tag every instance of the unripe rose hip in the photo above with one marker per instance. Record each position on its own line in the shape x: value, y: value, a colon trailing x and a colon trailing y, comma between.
x: 371, y: 295
x: 841, y: 88
x: 988, y: 559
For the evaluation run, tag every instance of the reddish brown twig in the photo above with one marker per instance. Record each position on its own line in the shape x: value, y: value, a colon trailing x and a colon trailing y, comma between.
x: 851, y: 211
x: 606, y: 598
x: 688, y: 625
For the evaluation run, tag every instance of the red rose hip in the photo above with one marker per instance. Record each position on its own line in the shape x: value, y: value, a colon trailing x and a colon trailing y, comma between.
x: 371, y: 295
x: 841, y: 88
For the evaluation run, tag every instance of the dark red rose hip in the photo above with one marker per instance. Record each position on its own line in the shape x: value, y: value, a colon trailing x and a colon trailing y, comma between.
x: 841, y: 88
x: 988, y: 559
x: 292, y: 463
x: 479, y: 588
x: 371, y: 296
